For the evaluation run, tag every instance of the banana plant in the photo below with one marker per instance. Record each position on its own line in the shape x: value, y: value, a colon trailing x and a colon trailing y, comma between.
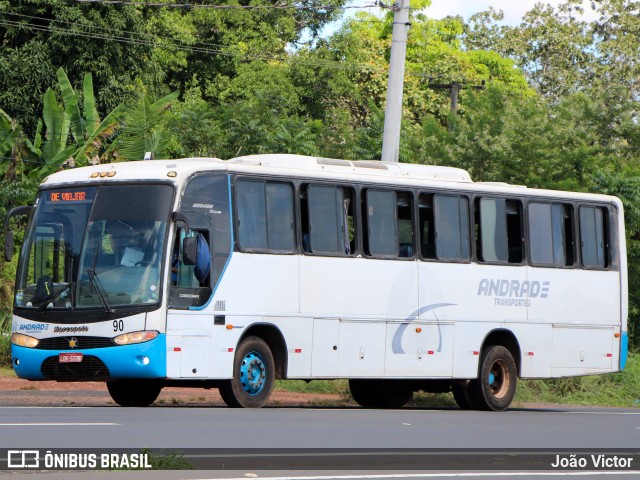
x: 17, y: 153
x: 142, y: 127
x: 88, y: 132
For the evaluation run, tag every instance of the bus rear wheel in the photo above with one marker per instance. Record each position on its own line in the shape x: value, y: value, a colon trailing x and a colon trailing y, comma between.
x: 253, y: 375
x: 134, y: 393
x: 495, y: 386
x: 380, y: 393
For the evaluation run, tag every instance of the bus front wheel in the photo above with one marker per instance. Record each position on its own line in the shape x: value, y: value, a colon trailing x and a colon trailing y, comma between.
x: 380, y: 393
x: 134, y: 393
x: 253, y: 375
x: 495, y: 386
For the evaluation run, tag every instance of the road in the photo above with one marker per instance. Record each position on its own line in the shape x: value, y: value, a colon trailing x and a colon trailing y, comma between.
x: 356, y: 438
x: 202, y: 427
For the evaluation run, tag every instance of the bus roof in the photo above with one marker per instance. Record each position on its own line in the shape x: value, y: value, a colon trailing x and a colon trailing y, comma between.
x: 301, y: 166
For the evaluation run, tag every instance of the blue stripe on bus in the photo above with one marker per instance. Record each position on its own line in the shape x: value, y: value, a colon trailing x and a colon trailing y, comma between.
x: 124, y: 361
x: 624, y: 349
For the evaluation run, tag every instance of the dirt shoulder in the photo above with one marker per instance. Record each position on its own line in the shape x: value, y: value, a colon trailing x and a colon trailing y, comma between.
x: 17, y: 392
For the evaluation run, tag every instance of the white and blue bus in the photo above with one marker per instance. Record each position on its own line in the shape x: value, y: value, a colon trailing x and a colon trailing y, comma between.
x: 399, y: 278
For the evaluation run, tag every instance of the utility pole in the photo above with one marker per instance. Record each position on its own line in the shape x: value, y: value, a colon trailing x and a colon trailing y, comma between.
x: 454, y: 88
x: 393, y: 110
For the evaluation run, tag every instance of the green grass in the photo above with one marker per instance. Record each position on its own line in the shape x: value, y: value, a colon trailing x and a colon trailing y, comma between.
x: 621, y: 389
x: 7, y: 372
x: 316, y: 386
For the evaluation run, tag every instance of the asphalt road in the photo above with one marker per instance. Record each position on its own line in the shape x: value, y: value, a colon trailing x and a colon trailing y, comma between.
x: 346, y: 441
x: 201, y: 427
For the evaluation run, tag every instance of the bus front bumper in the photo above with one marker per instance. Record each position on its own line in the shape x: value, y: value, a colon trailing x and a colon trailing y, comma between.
x: 141, y: 360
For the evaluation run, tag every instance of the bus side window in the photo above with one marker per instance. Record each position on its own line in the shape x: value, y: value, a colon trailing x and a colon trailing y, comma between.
x: 327, y: 221
x: 405, y: 224
x: 191, y: 276
x: 593, y: 237
x: 499, y: 230
x: 265, y: 216
x: 550, y: 234
x: 380, y: 215
x: 452, y: 227
x: 426, y: 226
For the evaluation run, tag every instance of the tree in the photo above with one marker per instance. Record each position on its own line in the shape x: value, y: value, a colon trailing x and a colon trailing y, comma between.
x: 165, y: 49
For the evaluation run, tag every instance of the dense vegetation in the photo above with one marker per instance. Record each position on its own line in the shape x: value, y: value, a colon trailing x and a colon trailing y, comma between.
x: 86, y: 83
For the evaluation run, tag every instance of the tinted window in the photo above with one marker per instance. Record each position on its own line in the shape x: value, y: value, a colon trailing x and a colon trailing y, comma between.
x: 592, y: 237
x: 326, y: 229
x: 550, y: 234
x: 265, y: 215
x: 382, y: 234
x: 452, y: 227
x: 252, y: 219
x: 280, y: 224
x: 499, y: 228
x: 493, y: 230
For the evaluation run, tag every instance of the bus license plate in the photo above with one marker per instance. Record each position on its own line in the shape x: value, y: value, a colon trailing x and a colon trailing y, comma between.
x: 70, y: 358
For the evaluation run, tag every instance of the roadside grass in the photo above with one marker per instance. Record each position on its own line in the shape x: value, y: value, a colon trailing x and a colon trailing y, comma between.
x: 5, y: 339
x: 315, y: 386
x: 621, y: 389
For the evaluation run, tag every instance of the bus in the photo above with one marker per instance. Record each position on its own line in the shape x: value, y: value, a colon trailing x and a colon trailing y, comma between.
x: 397, y: 277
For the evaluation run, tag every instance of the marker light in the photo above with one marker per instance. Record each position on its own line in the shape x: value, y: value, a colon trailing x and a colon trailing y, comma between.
x: 135, y: 337
x: 24, y: 340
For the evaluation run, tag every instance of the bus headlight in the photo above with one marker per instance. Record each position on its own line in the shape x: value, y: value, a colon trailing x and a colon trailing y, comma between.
x: 135, y: 337
x: 24, y: 340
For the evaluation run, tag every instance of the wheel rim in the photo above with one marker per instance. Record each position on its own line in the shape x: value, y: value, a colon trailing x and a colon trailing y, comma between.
x: 253, y: 373
x: 498, y: 379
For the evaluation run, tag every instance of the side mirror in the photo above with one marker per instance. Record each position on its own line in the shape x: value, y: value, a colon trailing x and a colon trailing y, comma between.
x: 8, y: 234
x: 189, y: 250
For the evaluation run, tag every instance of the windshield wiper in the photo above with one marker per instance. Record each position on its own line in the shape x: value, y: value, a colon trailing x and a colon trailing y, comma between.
x: 49, y: 301
x: 93, y: 278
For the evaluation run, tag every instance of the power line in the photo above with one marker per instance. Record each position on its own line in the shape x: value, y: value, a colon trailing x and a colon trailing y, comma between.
x: 280, y: 6
x: 135, y: 38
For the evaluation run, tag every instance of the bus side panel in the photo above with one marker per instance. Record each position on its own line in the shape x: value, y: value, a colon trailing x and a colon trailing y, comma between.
x: 575, y: 297
x: 257, y: 284
x: 582, y: 350
x: 477, y: 299
x: 583, y: 309
x: 298, y: 335
x: 326, y: 356
x: 364, y: 295
x: 536, y: 348
x: 420, y: 349
x: 195, y: 347
x: 358, y: 288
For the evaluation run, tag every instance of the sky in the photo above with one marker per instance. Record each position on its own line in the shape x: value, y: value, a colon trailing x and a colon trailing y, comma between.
x: 513, y: 9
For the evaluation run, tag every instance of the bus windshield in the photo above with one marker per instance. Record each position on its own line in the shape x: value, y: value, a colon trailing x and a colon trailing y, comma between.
x: 94, y: 247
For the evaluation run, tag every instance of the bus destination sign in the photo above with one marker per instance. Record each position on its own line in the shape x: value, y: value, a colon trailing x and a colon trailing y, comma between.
x: 71, y: 196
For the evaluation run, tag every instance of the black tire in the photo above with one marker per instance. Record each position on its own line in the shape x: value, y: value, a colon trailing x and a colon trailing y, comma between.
x: 380, y: 393
x: 462, y: 396
x: 495, y: 386
x: 134, y: 393
x: 253, y: 375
